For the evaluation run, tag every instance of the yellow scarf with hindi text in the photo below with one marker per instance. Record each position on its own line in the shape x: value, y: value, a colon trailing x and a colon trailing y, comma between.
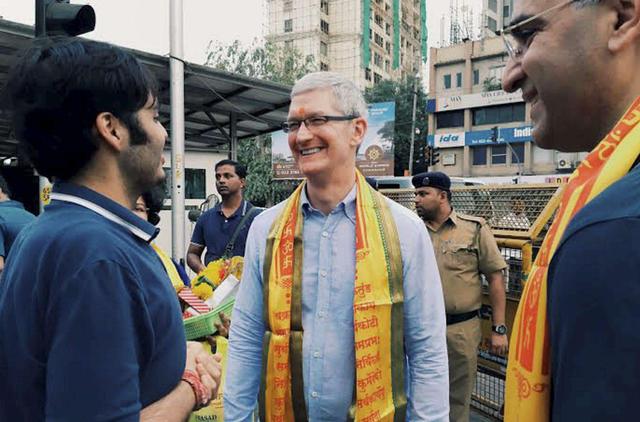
x: 528, y: 371
x: 377, y: 311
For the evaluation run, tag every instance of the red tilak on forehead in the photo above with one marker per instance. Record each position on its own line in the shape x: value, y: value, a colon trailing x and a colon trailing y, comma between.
x: 299, y: 111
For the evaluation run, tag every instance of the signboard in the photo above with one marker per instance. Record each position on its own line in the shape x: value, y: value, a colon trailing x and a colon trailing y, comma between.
x: 481, y: 99
x: 374, y: 158
x: 481, y: 137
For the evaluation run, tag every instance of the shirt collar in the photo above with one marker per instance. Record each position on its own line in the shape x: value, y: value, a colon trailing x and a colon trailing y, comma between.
x: 453, y: 217
x: 11, y: 203
x: 347, y: 205
x: 107, y: 208
x: 242, y: 209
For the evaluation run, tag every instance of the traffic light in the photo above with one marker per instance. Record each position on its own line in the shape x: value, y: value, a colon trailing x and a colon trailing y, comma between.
x: 59, y: 17
x: 431, y: 156
x: 494, y: 134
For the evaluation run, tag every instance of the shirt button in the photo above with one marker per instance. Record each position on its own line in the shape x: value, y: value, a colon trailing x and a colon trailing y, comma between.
x: 323, y: 273
x: 316, y: 354
x: 325, y: 234
x: 314, y: 394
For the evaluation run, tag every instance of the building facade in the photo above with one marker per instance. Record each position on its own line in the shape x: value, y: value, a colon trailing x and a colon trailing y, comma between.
x: 365, y: 40
x: 480, y: 130
x: 496, y: 15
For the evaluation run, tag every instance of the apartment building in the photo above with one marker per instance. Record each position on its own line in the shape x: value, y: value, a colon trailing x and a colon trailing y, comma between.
x: 466, y: 102
x: 365, y: 40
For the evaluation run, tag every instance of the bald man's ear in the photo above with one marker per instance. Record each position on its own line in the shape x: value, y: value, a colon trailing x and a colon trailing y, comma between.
x: 627, y: 27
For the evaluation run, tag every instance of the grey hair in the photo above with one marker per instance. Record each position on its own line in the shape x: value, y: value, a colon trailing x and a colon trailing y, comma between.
x: 348, y: 97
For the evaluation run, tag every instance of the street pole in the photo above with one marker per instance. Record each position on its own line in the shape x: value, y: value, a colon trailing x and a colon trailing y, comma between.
x: 413, y: 124
x: 176, y: 67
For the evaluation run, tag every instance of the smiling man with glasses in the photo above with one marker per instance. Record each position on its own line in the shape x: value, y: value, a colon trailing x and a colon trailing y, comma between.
x: 340, y: 300
x: 573, y: 351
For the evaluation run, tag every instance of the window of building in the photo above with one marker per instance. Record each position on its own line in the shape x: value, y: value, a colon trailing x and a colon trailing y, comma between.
x: 288, y: 45
x: 479, y: 156
x: 324, y: 6
x: 288, y: 25
x: 378, y: 20
x: 387, y: 65
x: 194, y: 182
x: 458, y: 80
x: 492, y: 24
x: 448, y: 119
x: 324, y: 66
x: 376, y: 78
x: 517, y: 153
x: 387, y: 47
x: 493, y: 5
x: 506, y: 12
x: 447, y: 81
x: 324, y: 26
x: 476, y: 77
x: 504, y: 113
x: 377, y: 59
x: 378, y: 39
x: 367, y: 74
x: 387, y: 7
x: 387, y: 29
x: 288, y: 5
x: 323, y: 48
x: 499, y: 154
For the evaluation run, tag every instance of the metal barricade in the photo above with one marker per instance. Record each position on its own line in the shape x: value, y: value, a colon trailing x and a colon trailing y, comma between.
x: 519, y: 217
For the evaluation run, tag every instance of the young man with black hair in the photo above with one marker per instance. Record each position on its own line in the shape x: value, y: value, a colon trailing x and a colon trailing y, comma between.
x: 223, y: 230
x: 13, y: 218
x: 91, y: 327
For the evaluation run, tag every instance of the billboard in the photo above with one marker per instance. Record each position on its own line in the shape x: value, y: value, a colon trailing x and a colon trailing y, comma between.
x: 481, y: 99
x: 374, y: 158
x: 480, y: 137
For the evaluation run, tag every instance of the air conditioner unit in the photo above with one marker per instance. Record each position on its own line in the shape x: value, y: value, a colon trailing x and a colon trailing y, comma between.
x: 564, y: 164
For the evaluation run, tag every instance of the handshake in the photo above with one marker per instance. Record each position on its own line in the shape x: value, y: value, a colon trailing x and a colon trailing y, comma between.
x: 202, y: 372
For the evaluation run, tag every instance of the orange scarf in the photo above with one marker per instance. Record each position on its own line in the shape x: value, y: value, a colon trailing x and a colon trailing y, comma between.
x: 377, y: 310
x: 528, y: 371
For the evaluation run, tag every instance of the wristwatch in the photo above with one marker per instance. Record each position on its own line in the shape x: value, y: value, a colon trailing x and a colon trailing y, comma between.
x: 499, y: 329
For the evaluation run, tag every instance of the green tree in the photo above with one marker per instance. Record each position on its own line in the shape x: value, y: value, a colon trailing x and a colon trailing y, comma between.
x: 273, y: 63
x: 401, y: 92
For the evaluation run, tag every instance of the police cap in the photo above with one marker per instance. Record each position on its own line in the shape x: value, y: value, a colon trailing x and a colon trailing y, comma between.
x: 433, y: 179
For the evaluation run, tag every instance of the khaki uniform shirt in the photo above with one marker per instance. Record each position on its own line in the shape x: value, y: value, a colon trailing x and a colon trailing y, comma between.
x: 465, y: 248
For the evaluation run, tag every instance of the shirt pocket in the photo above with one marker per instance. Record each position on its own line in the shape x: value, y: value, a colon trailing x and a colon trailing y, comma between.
x: 460, y: 256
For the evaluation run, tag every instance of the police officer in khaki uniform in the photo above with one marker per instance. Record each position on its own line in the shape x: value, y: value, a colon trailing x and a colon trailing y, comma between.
x: 464, y: 248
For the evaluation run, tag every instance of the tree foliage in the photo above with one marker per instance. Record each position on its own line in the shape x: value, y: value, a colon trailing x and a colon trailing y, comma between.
x: 273, y: 63
x: 401, y: 92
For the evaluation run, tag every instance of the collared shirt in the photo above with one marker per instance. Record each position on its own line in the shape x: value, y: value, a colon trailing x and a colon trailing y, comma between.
x: 13, y: 218
x: 214, y: 231
x: 91, y: 326
x: 327, y: 317
x: 465, y: 248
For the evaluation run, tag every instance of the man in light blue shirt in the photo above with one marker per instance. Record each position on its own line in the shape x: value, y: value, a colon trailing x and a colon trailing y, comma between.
x: 326, y: 124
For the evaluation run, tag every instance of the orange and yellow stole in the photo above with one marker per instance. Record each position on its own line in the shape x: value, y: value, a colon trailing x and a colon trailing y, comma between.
x: 377, y: 311
x: 528, y: 370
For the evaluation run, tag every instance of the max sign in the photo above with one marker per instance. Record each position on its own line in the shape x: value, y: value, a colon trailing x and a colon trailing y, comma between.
x: 449, y: 140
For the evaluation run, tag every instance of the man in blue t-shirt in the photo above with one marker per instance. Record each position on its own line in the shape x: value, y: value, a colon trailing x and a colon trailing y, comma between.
x: 91, y: 325
x: 13, y: 218
x: 222, y: 231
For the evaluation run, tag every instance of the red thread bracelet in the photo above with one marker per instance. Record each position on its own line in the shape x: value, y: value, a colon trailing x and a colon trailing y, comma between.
x: 202, y: 393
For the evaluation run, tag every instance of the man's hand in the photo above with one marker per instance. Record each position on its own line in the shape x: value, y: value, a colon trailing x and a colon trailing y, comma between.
x: 223, y: 325
x: 499, y: 344
x: 206, y: 365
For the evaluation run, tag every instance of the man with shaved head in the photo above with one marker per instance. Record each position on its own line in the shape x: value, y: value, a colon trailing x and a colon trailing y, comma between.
x: 573, y: 351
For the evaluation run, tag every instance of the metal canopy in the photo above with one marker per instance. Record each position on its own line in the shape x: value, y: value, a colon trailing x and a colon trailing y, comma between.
x: 218, y: 105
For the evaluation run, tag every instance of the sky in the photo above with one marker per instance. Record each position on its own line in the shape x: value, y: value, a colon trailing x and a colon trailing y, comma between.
x: 144, y: 24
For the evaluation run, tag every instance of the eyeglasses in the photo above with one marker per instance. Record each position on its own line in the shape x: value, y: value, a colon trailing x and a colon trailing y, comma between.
x: 517, y: 40
x: 314, y: 121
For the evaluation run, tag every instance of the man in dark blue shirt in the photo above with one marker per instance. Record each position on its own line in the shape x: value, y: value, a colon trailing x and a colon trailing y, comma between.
x: 13, y: 218
x: 91, y: 326
x: 223, y: 230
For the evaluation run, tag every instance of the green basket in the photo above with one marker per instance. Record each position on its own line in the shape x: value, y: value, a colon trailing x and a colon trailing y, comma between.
x: 205, y: 324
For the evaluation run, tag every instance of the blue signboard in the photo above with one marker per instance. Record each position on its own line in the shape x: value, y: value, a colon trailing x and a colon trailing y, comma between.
x: 483, y: 137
